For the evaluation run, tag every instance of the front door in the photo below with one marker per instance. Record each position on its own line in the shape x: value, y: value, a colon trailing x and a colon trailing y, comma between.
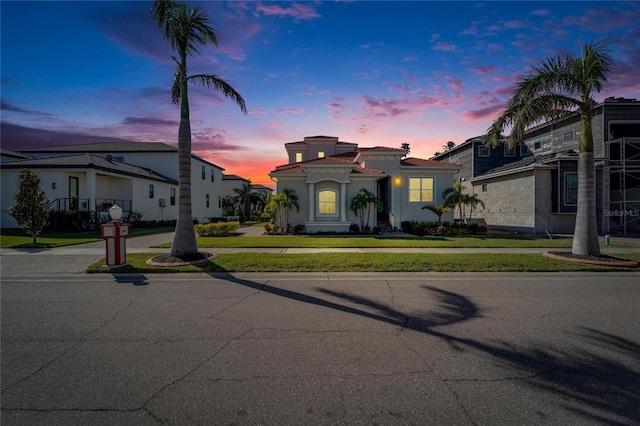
x: 74, y: 186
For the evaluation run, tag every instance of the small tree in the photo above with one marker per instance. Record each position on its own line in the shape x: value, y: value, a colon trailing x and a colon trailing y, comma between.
x: 406, y: 147
x: 438, y: 211
x: 31, y: 208
x: 358, y: 204
x: 449, y: 146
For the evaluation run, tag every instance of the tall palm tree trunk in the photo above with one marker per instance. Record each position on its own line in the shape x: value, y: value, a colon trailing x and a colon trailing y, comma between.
x: 585, y: 234
x: 184, y: 239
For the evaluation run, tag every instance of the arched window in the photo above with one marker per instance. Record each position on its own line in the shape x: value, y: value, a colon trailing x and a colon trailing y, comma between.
x: 327, y: 202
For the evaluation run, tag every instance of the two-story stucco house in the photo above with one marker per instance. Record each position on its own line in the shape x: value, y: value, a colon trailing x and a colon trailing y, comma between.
x: 138, y: 176
x: 326, y: 174
x: 532, y: 188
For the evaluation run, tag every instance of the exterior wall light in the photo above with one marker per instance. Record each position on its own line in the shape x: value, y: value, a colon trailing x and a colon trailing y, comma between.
x: 397, y: 180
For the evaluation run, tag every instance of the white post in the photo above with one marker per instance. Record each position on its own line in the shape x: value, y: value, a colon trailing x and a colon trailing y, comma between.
x: 343, y: 202
x: 312, y: 202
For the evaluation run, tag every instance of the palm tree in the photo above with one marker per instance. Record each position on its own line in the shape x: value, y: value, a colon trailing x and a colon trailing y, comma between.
x: 439, y: 211
x: 358, y: 204
x: 561, y: 86
x: 228, y: 205
x: 245, y: 198
x: 449, y: 146
x: 472, y: 201
x: 288, y: 200
x: 453, y: 198
x: 187, y: 29
x: 370, y: 199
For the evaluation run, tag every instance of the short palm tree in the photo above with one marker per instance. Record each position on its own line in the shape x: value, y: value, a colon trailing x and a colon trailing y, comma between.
x: 561, y: 86
x: 288, y: 200
x: 453, y: 198
x: 371, y: 200
x: 438, y: 211
x: 472, y: 201
x: 187, y: 29
x: 245, y: 199
x: 358, y: 205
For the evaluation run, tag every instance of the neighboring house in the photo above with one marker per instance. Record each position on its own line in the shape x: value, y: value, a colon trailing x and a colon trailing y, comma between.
x: 138, y: 176
x: 536, y: 192
x: 326, y: 174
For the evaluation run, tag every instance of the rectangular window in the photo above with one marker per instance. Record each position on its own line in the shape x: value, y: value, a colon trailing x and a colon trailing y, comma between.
x: 327, y: 202
x: 207, y: 201
x: 150, y: 191
x: 536, y: 145
x: 509, y: 152
x: 172, y: 196
x: 320, y: 154
x: 420, y: 190
x: 524, y: 150
x: 212, y: 176
x: 483, y: 151
x: 484, y: 187
x: 219, y: 202
x: 571, y: 188
x: 567, y: 136
x: 298, y: 157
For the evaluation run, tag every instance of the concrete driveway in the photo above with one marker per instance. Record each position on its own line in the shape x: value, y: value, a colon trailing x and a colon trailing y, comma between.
x: 425, y: 348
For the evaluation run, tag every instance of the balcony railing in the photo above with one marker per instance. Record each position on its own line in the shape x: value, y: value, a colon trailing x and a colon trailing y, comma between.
x: 102, y: 204
x: 72, y: 204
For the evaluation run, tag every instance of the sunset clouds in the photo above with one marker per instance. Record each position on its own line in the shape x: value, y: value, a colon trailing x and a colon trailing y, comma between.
x: 373, y: 73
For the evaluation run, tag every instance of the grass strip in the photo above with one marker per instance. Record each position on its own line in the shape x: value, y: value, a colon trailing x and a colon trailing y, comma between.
x: 305, y: 241
x: 366, y: 262
x: 16, y: 238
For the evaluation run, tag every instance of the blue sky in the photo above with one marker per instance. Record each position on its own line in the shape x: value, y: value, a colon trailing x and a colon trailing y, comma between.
x: 369, y: 72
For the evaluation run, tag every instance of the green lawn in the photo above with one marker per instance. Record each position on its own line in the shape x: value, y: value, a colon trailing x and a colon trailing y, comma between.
x: 16, y: 238
x: 308, y: 241
x: 367, y: 262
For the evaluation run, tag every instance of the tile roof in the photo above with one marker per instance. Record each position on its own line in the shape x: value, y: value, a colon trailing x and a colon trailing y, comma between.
x: 526, y: 161
x: 86, y: 160
x: 419, y: 162
x: 232, y: 177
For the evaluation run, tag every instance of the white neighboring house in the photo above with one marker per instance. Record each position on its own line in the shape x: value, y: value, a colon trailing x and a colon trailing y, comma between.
x: 326, y: 174
x: 138, y: 176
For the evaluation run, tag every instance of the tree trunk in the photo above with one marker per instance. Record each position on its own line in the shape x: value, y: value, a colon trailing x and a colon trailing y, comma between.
x: 184, y: 240
x: 585, y: 234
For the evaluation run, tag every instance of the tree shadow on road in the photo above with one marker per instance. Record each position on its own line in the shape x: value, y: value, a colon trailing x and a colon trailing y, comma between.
x: 596, y: 375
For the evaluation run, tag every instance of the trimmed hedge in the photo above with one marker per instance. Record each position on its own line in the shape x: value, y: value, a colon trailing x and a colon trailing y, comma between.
x: 218, y: 229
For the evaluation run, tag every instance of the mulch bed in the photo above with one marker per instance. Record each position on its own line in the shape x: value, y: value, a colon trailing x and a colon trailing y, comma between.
x: 601, y: 260
x: 171, y: 260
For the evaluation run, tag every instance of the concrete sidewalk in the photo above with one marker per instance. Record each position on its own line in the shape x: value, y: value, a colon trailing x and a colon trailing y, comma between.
x: 76, y: 258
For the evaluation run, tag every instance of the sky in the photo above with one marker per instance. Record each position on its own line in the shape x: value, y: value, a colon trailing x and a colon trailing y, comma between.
x: 375, y: 73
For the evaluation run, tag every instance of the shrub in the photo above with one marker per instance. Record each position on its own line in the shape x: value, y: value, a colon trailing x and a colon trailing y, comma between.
x: 218, y: 229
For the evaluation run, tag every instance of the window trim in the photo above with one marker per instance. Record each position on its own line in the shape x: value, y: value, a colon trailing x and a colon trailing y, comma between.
x: 207, y: 200
x: 213, y: 179
x: 299, y: 157
x: 335, y: 202
x: 509, y: 152
x: 172, y: 196
x: 484, y: 151
x: 203, y: 172
x: 151, y: 191
x: 321, y: 154
x: 421, y: 178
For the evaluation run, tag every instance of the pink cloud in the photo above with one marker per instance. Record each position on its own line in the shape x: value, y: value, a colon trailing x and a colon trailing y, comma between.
x: 516, y: 23
x: 300, y: 12
x: 604, y: 19
x: 454, y: 82
x: 296, y: 110
x: 483, y: 70
x: 255, y: 111
x: 541, y: 12
x: 483, y: 114
x: 446, y: 47
x: 409, y: 59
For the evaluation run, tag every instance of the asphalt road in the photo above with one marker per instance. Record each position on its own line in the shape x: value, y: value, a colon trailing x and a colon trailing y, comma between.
x: 378, y: 348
